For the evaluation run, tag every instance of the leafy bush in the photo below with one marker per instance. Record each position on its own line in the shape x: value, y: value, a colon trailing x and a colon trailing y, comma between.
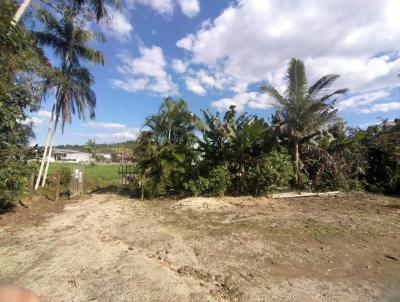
x: 12, y: 185
x: 272, y: 173
x: 65, y: 175
x: 215, y: 184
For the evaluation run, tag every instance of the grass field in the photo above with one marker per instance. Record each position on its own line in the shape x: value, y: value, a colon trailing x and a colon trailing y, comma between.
x: 95, y: 176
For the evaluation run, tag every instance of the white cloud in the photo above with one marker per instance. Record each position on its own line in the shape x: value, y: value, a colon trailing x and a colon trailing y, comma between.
x: 195, y: 86
x: 36, y: 121
x: 39, y: 118
x: 252, y: 41
x: 186, y: 43
x: 359, y: 101
x: 105, y: 125
x: 214, y: 79
x: 106, y: 137
x: 114, y: 132
x: 251, y: 99
x: 202, y: 80
x: 189, y: 8
x: 178, y: 65
x: 385, y: 107
x: 146, y: 72
x: 43, y: 113
x: 163, y: 7
x: 128, y: 134
x: 117, y: 24
x: 357, y: 73
x: 131, y: 85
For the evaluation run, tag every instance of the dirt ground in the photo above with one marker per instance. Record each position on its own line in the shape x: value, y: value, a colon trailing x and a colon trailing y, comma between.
x: 113, y: 248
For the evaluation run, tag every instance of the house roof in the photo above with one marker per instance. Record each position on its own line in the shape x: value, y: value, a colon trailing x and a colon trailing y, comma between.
x: 57, y: 150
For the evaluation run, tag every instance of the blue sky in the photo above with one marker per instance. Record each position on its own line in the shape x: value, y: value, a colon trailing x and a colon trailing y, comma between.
x: 217, y: 53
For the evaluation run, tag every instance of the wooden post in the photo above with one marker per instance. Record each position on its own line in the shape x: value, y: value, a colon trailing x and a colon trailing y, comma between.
x: 119, y: 175
x: 31, y: 186
x: 58, y: 185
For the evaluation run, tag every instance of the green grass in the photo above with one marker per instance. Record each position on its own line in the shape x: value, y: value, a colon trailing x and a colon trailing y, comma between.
x: 103, y: 175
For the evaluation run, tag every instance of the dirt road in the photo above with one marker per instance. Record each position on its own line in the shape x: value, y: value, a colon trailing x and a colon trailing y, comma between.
x: 112, y: 248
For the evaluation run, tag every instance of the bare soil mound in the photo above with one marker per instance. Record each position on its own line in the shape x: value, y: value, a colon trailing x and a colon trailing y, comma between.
x: 201, y: 203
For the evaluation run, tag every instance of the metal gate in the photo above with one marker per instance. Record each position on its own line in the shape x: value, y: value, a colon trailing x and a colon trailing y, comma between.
x: 76, y: 182
x: 125, y: 176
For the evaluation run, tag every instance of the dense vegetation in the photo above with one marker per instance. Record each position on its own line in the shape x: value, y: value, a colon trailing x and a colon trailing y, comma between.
x: 22, y: 66
x: 27, y: 76
x: 303, y: 145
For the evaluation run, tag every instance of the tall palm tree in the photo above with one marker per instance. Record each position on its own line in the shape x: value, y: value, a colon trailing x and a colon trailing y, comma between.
x: 73, y: 95
x: 68, y: 41
x: 304, y: 110
x: 98, y: 7
x: 73, y: 83
x: 20, y: 11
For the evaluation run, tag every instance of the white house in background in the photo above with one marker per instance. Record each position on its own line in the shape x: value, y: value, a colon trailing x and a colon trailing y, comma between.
x: 107, y: 156
x: 68, y: 155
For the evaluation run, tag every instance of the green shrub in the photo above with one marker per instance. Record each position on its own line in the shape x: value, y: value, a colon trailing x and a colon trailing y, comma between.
x: 219, y: 180
x: 215, y: 184
x: 197, y: 187
x: 65, y: 175
x: 12, y: 184
x: 272, y: 173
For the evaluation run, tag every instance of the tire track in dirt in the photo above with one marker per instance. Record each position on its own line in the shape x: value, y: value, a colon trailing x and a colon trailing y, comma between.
x: 97, y: 250
x: 112, y: 248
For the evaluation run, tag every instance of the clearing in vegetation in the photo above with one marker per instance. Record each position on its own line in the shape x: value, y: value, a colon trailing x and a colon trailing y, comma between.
x: 113, y: 248
x: 101, y: 175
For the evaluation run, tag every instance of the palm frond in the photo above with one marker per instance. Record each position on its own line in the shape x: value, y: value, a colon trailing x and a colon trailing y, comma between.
x: 323, y: 83
x: 337, y: 92
x: 273, y: 92
x: 49, y: 21
x: 297, y: 86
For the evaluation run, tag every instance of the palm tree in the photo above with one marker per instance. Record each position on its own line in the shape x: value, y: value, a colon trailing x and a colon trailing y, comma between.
x: 165, y: 150
x: 90, y: 147
x: 98, y: 7
x: 304, y: 110
x: 73, y: 82
x: 68, y: 41
x: 174, y: 122
x: 20, y: 11
x: 73, y: 95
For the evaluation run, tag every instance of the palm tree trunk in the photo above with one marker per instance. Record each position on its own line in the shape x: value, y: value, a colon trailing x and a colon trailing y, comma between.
x: 49, y: 131
x: 169, y: 132
x: 20, y: 11
x: 50, y: 150
x: 296, y: 160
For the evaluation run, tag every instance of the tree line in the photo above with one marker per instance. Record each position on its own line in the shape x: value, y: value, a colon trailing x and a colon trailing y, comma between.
x: 304, y: 145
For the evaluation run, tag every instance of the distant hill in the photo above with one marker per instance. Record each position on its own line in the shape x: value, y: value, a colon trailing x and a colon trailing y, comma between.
x: 101, y: 148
